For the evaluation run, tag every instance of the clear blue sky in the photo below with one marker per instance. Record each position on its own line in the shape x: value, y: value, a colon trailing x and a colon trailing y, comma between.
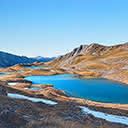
x: 54, y: 27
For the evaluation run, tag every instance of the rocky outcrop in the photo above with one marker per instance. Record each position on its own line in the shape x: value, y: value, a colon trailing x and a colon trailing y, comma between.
x: 16, y: 113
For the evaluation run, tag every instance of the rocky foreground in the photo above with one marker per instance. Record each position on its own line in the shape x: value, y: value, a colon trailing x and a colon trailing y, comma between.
x: 21, y: 113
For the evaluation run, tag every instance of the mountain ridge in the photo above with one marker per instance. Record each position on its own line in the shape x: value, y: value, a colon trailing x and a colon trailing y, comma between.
x: 96, y: 60
x: 8, y: 59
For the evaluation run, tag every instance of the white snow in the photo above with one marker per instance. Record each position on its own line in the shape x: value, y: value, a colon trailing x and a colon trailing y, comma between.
x: 11, y: 83
x: 19, y: 96
x: 26, y: 88
x: 108, y: 117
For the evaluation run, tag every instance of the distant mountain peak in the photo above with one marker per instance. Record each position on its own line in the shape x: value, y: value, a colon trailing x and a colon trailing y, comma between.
x: 8, y: 59
x: 39, y: 57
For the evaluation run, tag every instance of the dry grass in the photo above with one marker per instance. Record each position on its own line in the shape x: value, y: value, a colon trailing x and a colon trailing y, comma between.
x: 91, y: 74
x: 98, y: 66
x: 79, y: 59
x: 116, y: 52
x: 40, y: 72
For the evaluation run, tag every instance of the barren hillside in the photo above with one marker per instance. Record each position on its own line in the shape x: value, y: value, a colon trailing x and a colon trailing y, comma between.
x: 96, y: 60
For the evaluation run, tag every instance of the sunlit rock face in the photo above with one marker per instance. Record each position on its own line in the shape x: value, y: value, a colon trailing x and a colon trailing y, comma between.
x: 97, y: 60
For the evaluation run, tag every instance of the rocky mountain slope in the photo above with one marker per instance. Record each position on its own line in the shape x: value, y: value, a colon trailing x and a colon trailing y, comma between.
x: 7, y: 59
x: 96, y: 60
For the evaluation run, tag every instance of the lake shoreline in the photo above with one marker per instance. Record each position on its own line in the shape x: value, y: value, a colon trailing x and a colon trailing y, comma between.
x: 15, y: 83
x: 57, y: 97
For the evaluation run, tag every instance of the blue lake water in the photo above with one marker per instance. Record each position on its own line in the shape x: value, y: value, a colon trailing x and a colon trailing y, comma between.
x: 100, y: 90
x: 34, y: 88
x: 37, y: 67
x: 32, y: 67
x: 21, y: 71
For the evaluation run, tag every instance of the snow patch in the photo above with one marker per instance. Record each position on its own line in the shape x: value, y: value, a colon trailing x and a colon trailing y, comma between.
x: 108, y: 117
x: 26, y: 88
x: 11, y: 83
x: 19, y: 96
